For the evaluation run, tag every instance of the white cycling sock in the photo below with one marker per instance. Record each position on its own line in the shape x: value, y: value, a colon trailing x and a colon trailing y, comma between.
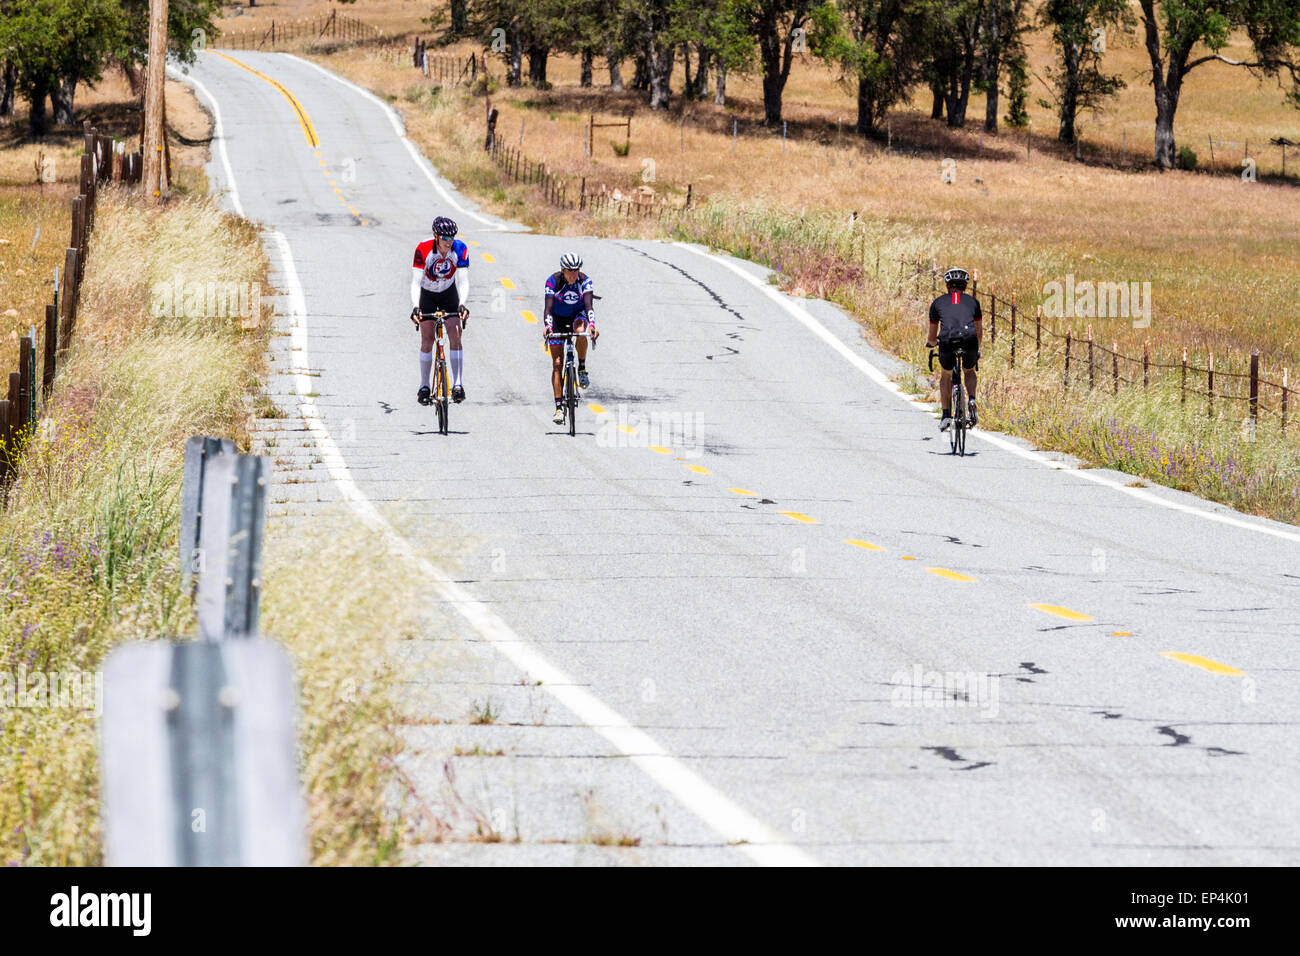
x: 426, y: 366
x: 457, y: 360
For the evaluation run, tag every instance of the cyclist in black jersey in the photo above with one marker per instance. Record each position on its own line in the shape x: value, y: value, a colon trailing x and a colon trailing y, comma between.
x: 956, y: 322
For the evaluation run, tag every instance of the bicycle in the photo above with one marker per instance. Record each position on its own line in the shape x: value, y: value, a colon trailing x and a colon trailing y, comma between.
x: 960, y: 407
x: 569, y: 395
x: 440, y: 381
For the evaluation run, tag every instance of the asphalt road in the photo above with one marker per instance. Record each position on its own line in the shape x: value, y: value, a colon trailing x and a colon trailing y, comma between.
x: 743, y: 620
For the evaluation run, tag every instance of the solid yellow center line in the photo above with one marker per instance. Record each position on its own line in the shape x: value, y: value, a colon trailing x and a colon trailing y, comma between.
x: 744, y: 491
x: 303, y: 119
x: 528, y: 317
x: 799, y: 516
x: 1204, y: 663
x: 660, y: 449
x: 507, y: 283
x: 950, y: 575
x: 699, y: 470
x: 1064, y: 612
x: 487, y: 257
x: 864, y: 545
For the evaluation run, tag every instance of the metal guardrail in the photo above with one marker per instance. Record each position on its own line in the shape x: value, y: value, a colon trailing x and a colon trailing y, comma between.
x: 199, y: 752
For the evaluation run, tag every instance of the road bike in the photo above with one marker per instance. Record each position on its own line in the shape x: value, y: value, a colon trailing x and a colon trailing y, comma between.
x: 960, y: 407
x: 441, y: 387
x: 569, y: 377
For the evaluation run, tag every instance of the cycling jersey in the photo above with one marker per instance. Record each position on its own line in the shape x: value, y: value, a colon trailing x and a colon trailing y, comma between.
x: 566, y: 301
x: 956, y: 314
x: 439, y: 271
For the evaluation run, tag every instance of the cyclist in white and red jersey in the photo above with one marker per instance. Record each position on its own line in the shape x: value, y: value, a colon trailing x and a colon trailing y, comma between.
x: 440, y: 283
x: 956, y: 321
x: 568, y: 308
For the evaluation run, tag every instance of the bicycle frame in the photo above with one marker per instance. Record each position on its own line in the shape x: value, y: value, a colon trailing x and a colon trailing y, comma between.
x: 959, y: 407
x: 569, y: 377
x: 441, y: 389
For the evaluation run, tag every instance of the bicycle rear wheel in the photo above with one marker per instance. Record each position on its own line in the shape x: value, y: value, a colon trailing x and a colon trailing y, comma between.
x: 954, y: 430
x: 571, y: 398
x: 959, y: 412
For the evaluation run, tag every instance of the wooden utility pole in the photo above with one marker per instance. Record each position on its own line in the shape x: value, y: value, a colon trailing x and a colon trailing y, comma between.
x: 152, y: 147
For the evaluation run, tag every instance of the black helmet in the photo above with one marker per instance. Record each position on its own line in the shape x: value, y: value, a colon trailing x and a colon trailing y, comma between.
x: 445, y: 228
x: 956, y: 277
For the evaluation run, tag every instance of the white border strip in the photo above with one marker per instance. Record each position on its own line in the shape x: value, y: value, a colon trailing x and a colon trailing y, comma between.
x: 804, y: 317
x: 424, y: 165
x: 734, y: 824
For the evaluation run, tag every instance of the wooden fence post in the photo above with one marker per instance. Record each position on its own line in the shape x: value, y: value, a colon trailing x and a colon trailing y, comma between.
x: 1146, y: 361
x: 1209, y: 396
x: 1284, y: 374
x: 1038, y: 334
x: 993, y: 317
x: 1069, y: 334
x: 51, y: 342
x: 1254, y: 385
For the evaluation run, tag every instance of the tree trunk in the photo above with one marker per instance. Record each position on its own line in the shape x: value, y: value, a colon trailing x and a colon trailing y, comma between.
x: 866, y: 107
x: 37, y: 120
x: 659, y: 67
x: 1069, y: 109
x: 588, y: 57
x: 537, y: 65
x: 992, y: 64
x: 769, y: 46
x: 8, y: 80
x: 936, y: 107
x: 615, y: 64
x: 720, y: 93
x: 641, y: 76
x: 687, y: 90
x: 62, y: 96
x: 459, y: 16
x: 1167, y: 87
x: 700, y: 88
x: 515, y: 70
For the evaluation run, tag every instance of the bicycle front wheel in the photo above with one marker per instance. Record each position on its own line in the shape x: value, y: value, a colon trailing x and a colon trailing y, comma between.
x: 959, y: 414
x: 441, y: 399
x: 571, y: 398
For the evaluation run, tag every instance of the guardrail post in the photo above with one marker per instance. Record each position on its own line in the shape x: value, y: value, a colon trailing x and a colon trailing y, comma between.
x: 198, y: 450
x: 198, y: 757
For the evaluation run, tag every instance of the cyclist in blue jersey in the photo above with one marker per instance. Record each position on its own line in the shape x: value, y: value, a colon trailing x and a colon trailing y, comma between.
x: 569, y: 295
x: 956, y: 322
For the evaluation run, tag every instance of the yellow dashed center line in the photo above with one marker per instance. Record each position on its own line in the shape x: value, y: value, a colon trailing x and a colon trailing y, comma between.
x: 799, y: 516
x: 1204, y: 663
x: 528, y: 316
x: 507, y: 283
x: 1064, y: 612
x: 625, y: 428
x: 596, y: 409
x: 743, y: 491
x: 1121, y: 634
x: 864, y: 545
x: 661, y: 450
x: 950, y: 575
x: 471, y: 242
x: 699, y: 470
x: 488, y: 258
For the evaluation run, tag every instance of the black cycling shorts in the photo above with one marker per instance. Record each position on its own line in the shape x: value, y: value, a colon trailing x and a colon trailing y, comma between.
x: 448, y: 300
x: 970, y: 353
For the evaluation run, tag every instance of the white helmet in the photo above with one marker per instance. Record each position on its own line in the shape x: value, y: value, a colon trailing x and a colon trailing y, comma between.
x: 570, y: 260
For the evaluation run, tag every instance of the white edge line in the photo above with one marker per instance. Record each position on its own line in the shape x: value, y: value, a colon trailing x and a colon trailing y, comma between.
x: 217, y: 135
x: 423, y: 164
x: 802, y: 315
x: 734, y: 824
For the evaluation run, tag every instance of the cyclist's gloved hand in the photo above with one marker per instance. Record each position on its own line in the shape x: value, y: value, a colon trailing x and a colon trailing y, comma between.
x: 464, y: 318
x: 415, y: 316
